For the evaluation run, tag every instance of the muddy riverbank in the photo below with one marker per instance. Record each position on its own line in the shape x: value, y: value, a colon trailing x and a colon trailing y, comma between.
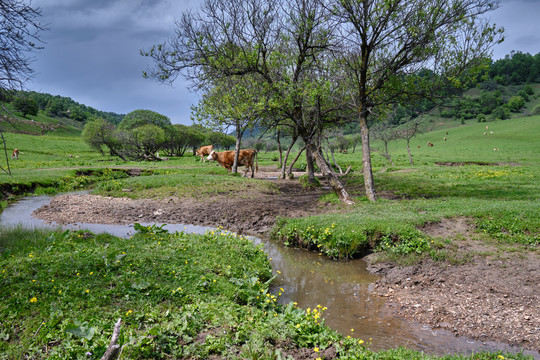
x: 485, y: 292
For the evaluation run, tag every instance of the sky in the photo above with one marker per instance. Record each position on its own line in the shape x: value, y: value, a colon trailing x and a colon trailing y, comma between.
x: 91, y: 51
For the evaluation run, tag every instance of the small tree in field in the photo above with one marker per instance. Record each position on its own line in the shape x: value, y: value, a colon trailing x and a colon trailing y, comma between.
x: 101, y: 135
x: 515, y: 103
x: 143, y: 142
x: 410, y: 129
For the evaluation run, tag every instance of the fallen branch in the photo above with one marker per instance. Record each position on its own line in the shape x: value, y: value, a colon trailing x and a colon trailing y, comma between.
x: 113, y: 348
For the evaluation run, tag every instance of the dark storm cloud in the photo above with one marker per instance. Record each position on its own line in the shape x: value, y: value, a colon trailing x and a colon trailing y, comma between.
x: 92, y: 55
x: 91, y: 52
x: 520, y: 21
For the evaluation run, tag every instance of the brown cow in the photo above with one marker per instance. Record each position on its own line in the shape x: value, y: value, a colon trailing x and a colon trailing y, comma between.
x: 245, y: 158
x: 204, y: 151
x: 15, y: 154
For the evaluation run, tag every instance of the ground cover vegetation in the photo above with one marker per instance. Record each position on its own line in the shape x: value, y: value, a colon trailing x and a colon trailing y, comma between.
x: 176, y: 294
x: 477, y: 166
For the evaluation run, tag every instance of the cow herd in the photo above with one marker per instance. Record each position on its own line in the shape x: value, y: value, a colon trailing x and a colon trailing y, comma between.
x: 246, y: 157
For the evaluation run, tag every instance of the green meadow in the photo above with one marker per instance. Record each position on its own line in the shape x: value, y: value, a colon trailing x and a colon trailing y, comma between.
x: 207, y: 296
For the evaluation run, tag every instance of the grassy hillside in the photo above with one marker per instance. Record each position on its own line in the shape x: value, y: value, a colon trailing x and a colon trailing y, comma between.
x: 39, y: 124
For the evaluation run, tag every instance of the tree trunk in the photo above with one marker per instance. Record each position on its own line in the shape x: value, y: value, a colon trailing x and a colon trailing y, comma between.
x: 409, y: 151
x: 330, y: 175
x: 279, y: 148
x: 366, y: 161
x: 387, y: 154
x: 236, y: 155
x: 289, y: 171
x: 284, y: 162
x: 113, y: 349
x: 309, y: 159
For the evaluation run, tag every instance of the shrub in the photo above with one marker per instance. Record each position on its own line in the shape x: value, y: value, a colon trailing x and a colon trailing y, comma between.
x: 515, y: 103
x: 25, y: 106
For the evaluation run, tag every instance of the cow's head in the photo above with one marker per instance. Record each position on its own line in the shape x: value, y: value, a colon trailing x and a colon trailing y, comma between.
x: 212, y: 155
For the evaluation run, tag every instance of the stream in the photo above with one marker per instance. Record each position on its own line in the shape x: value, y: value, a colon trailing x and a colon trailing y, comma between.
x: 309, y: 280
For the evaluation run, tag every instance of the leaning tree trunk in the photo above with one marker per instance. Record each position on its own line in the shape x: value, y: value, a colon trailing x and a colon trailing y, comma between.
x: 284, y: 162
x: 289, y: 171
x: 330, y: 175
x: 366, y: 161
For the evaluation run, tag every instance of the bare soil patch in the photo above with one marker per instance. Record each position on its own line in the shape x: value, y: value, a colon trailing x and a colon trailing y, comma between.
x: 485, y: 292
x: 249, y: 213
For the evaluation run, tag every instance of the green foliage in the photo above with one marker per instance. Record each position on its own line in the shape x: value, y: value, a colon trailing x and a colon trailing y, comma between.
x: 56, y: 105
x: 501, y: 113
x: 481, y: 118
x: 99, y: 133
x: 516, y: 68
x: 147, y: 138
x: 405, y: 243
x: 26, y: 106
x: 179, y: 138
x: 515, y: 103
x: 139, y: 118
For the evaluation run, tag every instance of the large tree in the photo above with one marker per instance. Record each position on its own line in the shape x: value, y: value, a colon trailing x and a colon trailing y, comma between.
x: 237, y: 102
x: 19, y: 34
x: 385, y: 42
x: 281, y: 44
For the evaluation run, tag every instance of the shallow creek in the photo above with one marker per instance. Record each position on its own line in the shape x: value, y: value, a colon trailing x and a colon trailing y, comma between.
x: 309, y: 280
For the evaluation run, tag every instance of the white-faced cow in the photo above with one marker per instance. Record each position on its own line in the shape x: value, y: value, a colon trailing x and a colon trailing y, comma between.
x: 15, y: 154
x: 245, y: 158
x: 204, y: 151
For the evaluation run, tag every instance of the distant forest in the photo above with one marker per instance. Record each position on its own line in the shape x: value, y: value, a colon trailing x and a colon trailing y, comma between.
x: 515, y: 69
x: 60, y: 106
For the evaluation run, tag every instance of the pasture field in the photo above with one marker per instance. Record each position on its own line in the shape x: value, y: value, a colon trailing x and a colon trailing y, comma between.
x: 488, y: 173
x: 62, y: 292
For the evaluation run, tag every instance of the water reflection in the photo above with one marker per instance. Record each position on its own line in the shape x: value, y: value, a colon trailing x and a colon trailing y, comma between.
x: 309, y: 280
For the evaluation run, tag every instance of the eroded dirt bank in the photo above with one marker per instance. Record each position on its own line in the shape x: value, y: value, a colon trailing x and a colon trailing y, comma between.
x: 251, y: 213
x: 485, y: 292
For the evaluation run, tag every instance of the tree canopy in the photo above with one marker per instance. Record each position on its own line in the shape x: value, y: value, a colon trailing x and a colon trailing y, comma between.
x: 138, y: 118
x: 326, y: 61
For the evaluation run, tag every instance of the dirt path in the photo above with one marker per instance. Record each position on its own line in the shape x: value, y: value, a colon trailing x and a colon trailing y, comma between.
x: 485, y: 292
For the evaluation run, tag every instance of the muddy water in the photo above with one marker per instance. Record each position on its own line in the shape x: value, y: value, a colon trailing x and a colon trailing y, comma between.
x: 310, y: 280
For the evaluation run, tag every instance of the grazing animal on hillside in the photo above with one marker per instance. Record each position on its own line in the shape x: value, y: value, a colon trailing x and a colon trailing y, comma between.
x: 15, y: 154
x: 204, y: 151
x: 429, y: 143
x: 245, y: 158
x: 444, y: 138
